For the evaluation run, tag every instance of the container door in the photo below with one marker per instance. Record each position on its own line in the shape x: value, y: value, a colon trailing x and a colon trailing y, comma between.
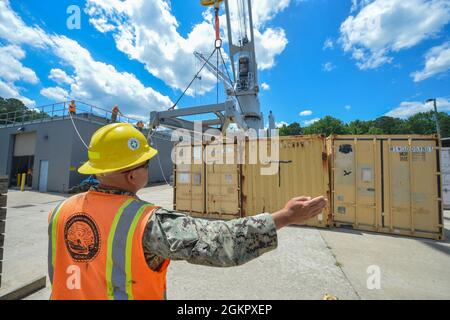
x: 355, y: 183
x: 189, y: 194
x: 43, y: 176
x: 411, y: 185
x: 300, y: 169
x: 223, y: 186
x: 445, y: 173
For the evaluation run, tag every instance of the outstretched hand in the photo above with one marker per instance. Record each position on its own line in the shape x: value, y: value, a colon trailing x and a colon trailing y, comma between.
x: 298, y: 210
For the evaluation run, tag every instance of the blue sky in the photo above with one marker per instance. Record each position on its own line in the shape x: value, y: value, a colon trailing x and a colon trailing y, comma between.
x: 352, y: 59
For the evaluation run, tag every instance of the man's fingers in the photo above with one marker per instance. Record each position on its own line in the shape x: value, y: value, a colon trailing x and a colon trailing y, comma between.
x: 302, y: 198
x: 317, y: 201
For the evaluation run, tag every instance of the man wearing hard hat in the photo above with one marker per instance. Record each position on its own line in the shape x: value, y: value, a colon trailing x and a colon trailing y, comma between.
x: 108, y: 244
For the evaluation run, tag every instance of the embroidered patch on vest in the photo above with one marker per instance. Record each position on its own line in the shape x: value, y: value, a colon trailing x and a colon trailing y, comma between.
x: 82, y: 237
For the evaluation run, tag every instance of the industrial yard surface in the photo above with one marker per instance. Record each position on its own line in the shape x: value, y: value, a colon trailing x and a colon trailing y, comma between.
x: 307, y: 264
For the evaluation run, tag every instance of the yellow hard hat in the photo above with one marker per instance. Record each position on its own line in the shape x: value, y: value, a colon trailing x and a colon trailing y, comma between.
x: 116, y: 147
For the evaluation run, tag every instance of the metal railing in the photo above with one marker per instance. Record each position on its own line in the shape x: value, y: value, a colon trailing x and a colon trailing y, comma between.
x: 60, y: 111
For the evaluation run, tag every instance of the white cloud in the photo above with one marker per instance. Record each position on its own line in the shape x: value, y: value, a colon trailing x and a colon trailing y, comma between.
x: 384, y: 26
x: 60, y: 76
x: 96, y: 82
x: 358, y: 4
x: 147, y: 32
x: 15, y: 31
x: 327, y: 67
x: 310, y: 122
x: 328, y: 44
x: 305, y: 113
x: 55, y: 93
x: 265, y: 86
x: 102, y: 84
x: 281, y: 123
x: 102, y: 25
x: 437, y: 60
x: 8, y: 90
x: 348, y: 107
x: 268, y: 45
x: 409, y: 108
x: 12, y: 70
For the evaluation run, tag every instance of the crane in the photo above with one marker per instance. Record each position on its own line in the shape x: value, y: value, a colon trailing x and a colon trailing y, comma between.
x: 242, y: 105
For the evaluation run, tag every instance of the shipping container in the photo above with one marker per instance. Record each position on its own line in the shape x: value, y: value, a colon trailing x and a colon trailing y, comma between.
x: 445, y: 173
x: 189, y: 179
x: 388, y: 184
x: 244, y: 188
x: 302, y: 170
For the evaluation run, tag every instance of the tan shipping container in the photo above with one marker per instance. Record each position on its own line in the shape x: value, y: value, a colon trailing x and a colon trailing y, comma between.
x: 302, y: 170
x: 388, y: 184
x: 238, y: 190
x: 189, y: 180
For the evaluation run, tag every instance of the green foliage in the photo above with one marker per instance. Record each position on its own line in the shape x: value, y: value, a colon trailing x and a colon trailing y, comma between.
x: 13, y: 110
x: 420, y: 123
x: 294, y: 129
x: 327, y: 125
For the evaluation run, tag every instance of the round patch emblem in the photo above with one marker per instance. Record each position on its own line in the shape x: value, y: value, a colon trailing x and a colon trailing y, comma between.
x: 82, y: 237
x: 133, y: 144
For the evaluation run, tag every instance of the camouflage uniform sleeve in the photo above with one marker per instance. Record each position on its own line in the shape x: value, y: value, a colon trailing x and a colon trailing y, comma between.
x: 176, y: 236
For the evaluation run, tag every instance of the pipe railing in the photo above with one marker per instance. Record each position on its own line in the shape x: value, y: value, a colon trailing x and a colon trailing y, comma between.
x: 59, y: 111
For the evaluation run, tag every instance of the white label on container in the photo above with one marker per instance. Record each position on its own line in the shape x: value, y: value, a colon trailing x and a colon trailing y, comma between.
x: 184, y: 177
x: 198, y: 153
x: 366, y: 174
x: 228, y: 178
x: 197, y: 177
x: 427, y: 149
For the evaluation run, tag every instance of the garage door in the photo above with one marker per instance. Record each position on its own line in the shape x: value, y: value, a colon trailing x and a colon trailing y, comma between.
x: 25, y: 144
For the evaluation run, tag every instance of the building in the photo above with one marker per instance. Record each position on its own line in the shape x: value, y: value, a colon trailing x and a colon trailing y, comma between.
x: 49, y: 149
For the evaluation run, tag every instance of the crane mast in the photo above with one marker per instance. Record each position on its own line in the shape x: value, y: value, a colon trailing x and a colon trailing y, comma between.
x: 243, y: 63
x: 242, y: 105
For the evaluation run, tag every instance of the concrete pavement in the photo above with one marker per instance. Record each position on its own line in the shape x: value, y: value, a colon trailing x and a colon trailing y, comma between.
x: 307, y: 263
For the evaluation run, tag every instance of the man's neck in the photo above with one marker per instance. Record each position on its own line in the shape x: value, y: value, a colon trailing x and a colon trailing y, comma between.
x: 115, y: 188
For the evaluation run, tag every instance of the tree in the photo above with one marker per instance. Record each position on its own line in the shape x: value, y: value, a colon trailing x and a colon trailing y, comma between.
x: 359, y: 127
x: 389, y: 125
x: 13, y: 110
x: 327, y: 125
x: 424, y: 123
x: 293, y: 129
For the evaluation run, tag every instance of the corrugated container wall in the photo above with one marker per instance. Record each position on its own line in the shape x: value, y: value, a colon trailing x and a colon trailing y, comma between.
x: 302, y: 170
x: 387, y: 184
x: 237, y: 190
x: 445, y: 173
x: 189, y: 180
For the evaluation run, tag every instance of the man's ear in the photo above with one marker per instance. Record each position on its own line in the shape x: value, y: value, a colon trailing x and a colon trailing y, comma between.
x: 130, y: 177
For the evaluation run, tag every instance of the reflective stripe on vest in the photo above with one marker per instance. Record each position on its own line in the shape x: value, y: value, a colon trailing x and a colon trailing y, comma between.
x: 119, y: 254
x: 52, y: 228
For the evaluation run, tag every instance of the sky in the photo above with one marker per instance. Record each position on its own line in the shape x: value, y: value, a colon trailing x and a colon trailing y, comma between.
x: 351, y: 59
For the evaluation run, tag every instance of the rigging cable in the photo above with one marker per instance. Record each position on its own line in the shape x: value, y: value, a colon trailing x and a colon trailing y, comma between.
x: 159, y: 162
x: 192, y: 81
x: 75, y: 127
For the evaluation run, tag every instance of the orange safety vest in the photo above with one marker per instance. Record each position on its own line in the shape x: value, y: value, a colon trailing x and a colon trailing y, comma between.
x: 115, y: 110
x: 95, y: 249
x: 72, y: 108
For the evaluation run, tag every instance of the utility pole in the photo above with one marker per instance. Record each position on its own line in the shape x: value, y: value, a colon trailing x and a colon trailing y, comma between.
x: 436, y: 119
